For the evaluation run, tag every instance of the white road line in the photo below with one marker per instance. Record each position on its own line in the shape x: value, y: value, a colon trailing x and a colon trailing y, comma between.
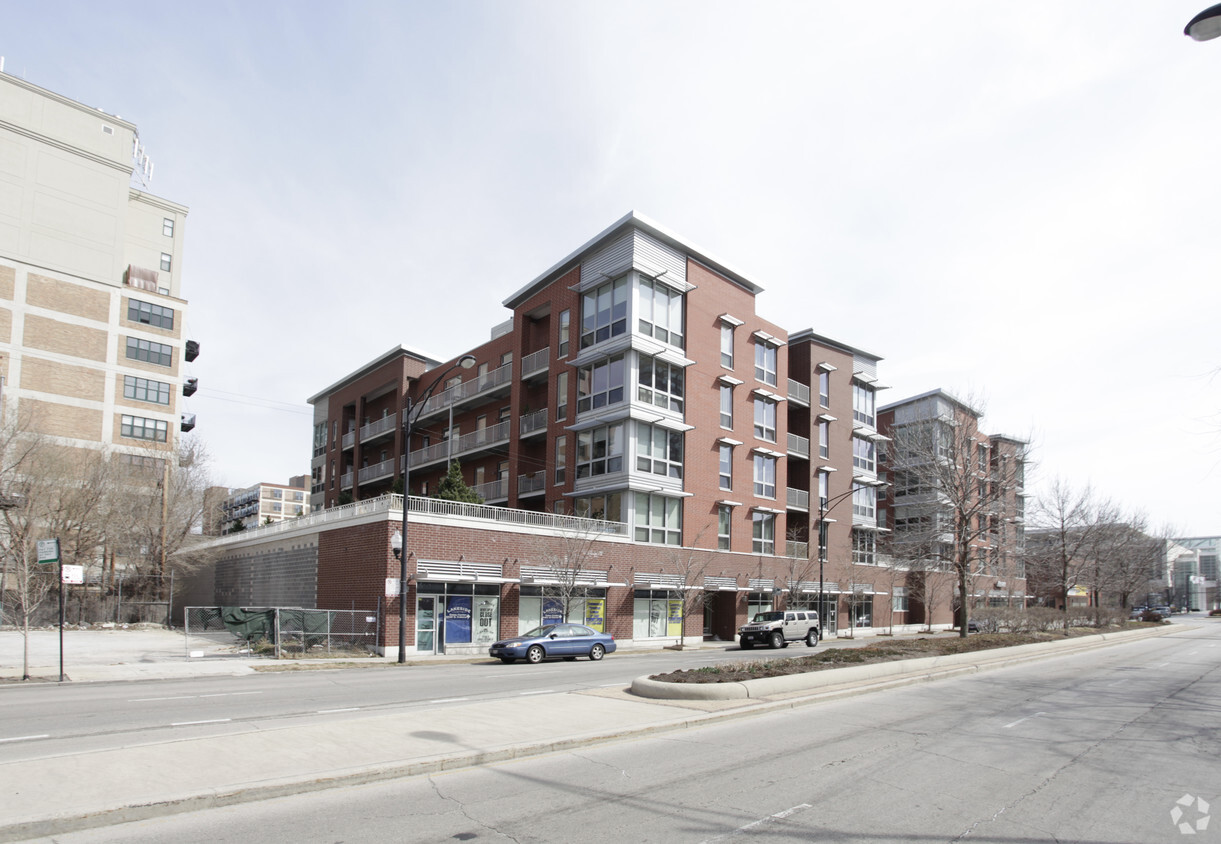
x: 450, y: 700
x: 612, y: 685
x: 539, y: 692
x: 191, y: 723
x: 329, y: 711
x: 1020, y: 720
x: 25, y: 738
x: 779, y: 816
x: 148, y: 699
x: 231, y: 694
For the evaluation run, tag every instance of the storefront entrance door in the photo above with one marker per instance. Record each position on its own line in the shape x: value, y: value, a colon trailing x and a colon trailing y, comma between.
x: 426, y: 624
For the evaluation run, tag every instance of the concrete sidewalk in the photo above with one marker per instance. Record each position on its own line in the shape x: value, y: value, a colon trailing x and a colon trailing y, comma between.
x: 63, y: 793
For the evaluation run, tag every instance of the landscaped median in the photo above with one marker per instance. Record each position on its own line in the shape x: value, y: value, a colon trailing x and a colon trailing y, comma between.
x: 707, y: 685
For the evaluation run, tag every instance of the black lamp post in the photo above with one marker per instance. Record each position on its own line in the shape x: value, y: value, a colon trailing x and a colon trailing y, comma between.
x: 826, y: 505
x: 411, y: 412
x: 1206, y: 25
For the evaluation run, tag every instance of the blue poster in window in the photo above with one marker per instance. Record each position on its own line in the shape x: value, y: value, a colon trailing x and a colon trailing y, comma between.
x: 458, y: 619
x: 553, y: 611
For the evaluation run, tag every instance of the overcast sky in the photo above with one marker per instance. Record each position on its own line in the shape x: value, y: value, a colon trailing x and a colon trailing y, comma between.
x: 1015, y: 201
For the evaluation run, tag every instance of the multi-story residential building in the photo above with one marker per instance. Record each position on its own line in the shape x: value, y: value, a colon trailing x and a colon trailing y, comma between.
x: 91, y: 310
x: 261, y: 504
x: 1202, y: 592
x: 956, y: 500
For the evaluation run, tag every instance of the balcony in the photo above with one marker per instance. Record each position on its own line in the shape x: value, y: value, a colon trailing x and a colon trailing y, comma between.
x: 465, y: 445
x: 536, y: 363
x: 345, y: 480
x: 799, y: 393
x: 534, y: 484
x: 799, y: 446
x: 497, y: 490
x: 534, y: 422
x: 494, y: 383
x: 349, y: 440
x: 798, y: 499
x: 797, y: 550
x: 377, y: 472
x: 378, y: 428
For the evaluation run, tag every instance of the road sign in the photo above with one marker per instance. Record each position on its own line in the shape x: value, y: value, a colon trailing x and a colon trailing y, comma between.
x: 48, y: 550
x: 392, y: 587
x: 72, y: 574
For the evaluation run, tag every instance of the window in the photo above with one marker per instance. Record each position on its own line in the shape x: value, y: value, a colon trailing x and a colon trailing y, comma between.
x: 561, y: 459
x: 661, y: 312
x: 765, y: 476
x: 607, y: 508
x: 864, y: 501
x: 727, y: 406
x: 604, y: 312
x: 765, y: 420
x: 824, y: 435
x: 864, y: 547
x: 658, y: 451
x: 561, y: 397
x: 822, y: 490
x: 600, y: 451
x: 726, y: 464
x: 600, y: 384
x: 723, y: 521
x: 862, y: 403
x: 727, y: 346
x: 143, y: 389
x: 864, y: 454
x: 658, y: 519
x: 565, y: 329
x: 983, y: 457
x: 166, y: 261
x: 898, y: 599
x: 139, y: 428
x: 149, y: 314
x: 506, y: 359
x: 765, y: 363
x: 824, y: 389
x: 763, y: 533
x: 661, y: 384
x: 167, y: 227
x: 146, y: 350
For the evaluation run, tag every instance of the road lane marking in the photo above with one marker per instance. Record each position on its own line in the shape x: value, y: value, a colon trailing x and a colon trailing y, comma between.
x: 329, y: 711
x: 1020, y: 720
x: 450, y: 700
x: 779, y: 816
x: 25, y: 738
x: 192, y: 723
x: 539, y: 692
x: 612, y: 685
x: 231, y: 694
x: 190, y: 697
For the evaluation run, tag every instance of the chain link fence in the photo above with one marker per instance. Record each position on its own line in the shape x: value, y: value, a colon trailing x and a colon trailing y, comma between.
x: 280, y: 632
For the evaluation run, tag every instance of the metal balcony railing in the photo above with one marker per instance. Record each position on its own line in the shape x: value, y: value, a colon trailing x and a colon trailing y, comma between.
x: 469, y: 389
x: 497, y: 434
x: 529, y: 484
x: 533, y: 422
x: 799, y: 446
x: 536, y: 362
x: 798, y: 499
x: 368, y: 474
x: 378, y: 427
x: 496, y: 490
x: 799, y: 392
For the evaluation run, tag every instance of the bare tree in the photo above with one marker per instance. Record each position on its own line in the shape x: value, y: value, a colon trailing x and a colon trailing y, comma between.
x: 1067, y: 522
x: 955, y: 482
x: 567, y: 561
x: 691, y: 565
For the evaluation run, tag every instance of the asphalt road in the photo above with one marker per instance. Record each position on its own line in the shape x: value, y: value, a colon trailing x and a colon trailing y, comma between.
x: 1100, y: 747
x: 45, y: 719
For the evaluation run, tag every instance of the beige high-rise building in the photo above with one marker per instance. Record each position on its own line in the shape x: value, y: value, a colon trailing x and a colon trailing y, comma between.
x: 92, y: 347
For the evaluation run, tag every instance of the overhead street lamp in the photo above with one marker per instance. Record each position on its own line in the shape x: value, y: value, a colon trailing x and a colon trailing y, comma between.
x: 398, y: 543
x: 1206, y: 25
x: 826, y: 505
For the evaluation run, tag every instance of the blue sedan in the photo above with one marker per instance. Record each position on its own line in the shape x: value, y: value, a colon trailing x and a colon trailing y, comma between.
x: 568, y: 641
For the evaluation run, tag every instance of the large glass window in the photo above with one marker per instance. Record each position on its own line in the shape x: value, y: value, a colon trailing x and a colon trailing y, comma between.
x: 600, y: 451
x: 727, y: 345
x: 723, y: 521
x: 464, y: 614
x: 137, y: 427
x: 655, y: 613
x: 561, y: 459
x: 143, y: 389
x: 604, y: 312
x: 864, y: 454
x: 600, y: 384
x: 727, y: 406
x: 658, y: 451
x: 765, y: 476
x: 561, y: 397
x: 726, y: 466
x: 824, y: 389
x: 584, y: 605
x: 146, y: 350
x: 661, y: 384
x: 864, y: 501
x: 661, y: 312
x: 565, y: 329
x: 658, y: 519
x: 864, y: 547
x: 763, y: 533
x: 765, y: 362
x: 824, y: 437
x: 149, y: 314
x: 863, y: 403
x: 765, y: 420
x: 607, y: 507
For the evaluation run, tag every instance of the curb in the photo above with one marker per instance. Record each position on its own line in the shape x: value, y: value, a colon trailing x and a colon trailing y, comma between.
x: 920, y: 667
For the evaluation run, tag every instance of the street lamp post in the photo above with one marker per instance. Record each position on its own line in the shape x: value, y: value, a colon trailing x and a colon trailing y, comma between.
x: 1206, y: 25
x: 398, y: 543
x: 826, y: 505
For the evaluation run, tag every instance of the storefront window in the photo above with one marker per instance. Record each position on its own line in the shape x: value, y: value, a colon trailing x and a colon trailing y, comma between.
x: 586, y: 606
x: 656, y: 615
x: 456, y: 614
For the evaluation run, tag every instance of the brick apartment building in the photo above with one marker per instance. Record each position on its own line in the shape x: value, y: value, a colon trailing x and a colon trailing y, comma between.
x: 260, y: 504
x: 91, y: 312
x: 634, y: 399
